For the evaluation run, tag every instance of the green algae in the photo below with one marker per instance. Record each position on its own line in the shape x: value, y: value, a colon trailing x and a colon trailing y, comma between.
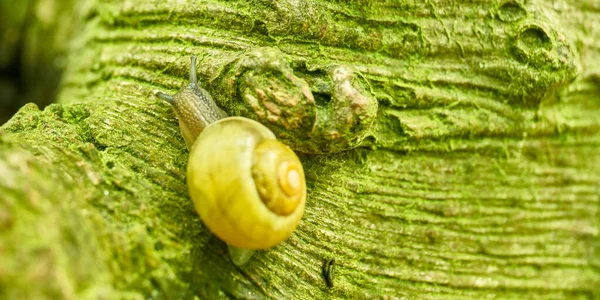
x: 476, y: 177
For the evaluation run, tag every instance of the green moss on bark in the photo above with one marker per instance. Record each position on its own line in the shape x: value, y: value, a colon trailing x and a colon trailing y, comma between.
x: 477, y: 178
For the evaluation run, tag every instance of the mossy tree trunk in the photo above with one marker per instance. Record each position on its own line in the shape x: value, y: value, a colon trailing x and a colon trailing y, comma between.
x: 451, y: 151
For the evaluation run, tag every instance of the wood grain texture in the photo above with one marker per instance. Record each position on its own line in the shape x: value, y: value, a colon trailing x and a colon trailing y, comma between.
x: 479, y: 177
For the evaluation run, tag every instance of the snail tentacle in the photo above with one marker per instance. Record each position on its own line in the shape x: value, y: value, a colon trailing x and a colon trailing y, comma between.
x: 194, y: 107
x: 166, y: 97
x: 193, y: 78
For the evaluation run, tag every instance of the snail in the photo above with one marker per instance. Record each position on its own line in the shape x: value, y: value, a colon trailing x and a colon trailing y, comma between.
x: 248, y: 188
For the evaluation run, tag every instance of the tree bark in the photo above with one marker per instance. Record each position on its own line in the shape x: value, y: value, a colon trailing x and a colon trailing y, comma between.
x: 451, y: 152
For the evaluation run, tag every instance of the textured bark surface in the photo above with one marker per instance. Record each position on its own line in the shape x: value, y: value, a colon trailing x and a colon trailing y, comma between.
x: 477, y: 178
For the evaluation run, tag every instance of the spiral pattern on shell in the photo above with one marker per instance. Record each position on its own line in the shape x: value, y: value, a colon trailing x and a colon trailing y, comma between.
x: 248, y: 188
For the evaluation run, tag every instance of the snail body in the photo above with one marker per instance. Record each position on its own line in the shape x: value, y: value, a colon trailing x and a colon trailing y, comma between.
x: 248, y: 188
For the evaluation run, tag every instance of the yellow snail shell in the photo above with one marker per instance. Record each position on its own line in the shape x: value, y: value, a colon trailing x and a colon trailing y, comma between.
x: 248, y: 188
